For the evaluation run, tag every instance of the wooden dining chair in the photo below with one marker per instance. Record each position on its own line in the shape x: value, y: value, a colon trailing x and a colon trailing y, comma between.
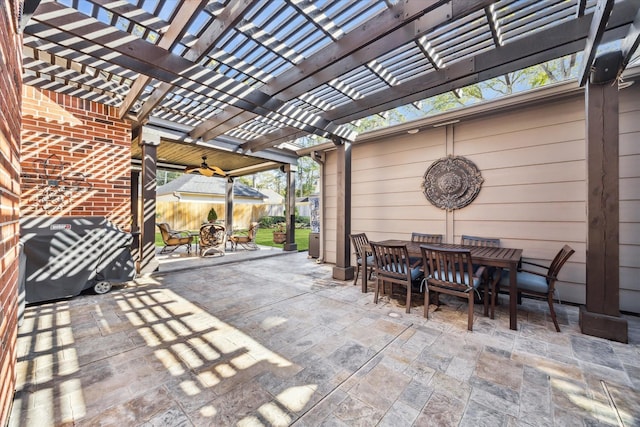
x: 426, y: 238
x: 450, y: 271
x: 359, y: 241
x: 539, y: 280
x: 480, y: 241
x: 391, y: 265
x: 492, y: 276
x: 423, y: 238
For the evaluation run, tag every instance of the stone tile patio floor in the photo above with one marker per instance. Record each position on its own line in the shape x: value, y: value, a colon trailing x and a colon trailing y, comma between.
x: 276, y: 341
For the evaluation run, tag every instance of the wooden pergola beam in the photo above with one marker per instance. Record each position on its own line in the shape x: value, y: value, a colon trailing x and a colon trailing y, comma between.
x: 631, y: 41
x: 187, y: 12
x: 361, y: 45
x: 229, y: 17
x: 537, y: 48
x: 596, y: 31
x: 144, y: 58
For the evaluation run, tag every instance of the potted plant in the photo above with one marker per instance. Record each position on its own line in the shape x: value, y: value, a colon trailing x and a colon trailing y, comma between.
x: 280, y: 233
x: 212, y: 216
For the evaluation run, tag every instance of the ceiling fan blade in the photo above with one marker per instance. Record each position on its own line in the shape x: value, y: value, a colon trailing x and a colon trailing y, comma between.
x: 208, y: 171
x: 216, y: 170
x: 205, y: 169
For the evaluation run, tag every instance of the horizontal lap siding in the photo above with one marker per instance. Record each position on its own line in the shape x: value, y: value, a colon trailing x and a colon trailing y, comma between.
x: 534, y: 191
x: 630, y: 199
x: 533, y: 162
x: 330, y: 204
x: 387, y: 192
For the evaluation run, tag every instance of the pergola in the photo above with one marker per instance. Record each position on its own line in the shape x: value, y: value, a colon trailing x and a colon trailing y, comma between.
x: 236, y: 79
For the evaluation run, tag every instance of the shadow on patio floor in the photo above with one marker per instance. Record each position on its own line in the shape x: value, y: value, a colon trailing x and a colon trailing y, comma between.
x: 276, y: 341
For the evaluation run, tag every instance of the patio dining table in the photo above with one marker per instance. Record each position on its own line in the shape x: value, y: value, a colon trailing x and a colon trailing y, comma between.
x: 488, y: 256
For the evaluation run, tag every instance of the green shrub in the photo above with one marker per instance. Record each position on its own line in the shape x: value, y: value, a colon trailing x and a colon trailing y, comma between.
x: 212, y: 216
x: 270, y: 221
x: 303, y: 221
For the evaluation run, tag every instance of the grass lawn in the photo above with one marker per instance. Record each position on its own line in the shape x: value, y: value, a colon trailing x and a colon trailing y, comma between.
x: 265, y: 238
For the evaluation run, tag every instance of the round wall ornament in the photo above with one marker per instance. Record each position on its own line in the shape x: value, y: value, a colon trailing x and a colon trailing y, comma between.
x: 452, y: 182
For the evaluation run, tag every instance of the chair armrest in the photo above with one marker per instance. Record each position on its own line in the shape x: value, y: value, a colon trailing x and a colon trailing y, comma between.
x: 537, y: 273
x: 534, y: 264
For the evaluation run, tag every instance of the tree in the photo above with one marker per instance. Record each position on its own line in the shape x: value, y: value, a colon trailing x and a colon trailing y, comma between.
x: 163, y: 177
x: 553, y: 71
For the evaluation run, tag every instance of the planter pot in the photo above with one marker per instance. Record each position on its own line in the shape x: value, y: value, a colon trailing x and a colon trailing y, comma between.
x: 279, y: 237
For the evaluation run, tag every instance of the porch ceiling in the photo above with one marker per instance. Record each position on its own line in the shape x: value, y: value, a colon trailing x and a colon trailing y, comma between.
x: 243, y: 76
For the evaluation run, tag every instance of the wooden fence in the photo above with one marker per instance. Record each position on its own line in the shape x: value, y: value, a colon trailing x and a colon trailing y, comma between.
x: 191, y: 215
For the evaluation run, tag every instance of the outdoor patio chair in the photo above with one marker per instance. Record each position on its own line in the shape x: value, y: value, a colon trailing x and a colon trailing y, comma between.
x: 450, y: 271
x: 173, y: 239
x: 247, y: 239
x: 541, y: 280
x: 426, y: 238
x: 488, y: 242
x: 423, y: 238
x: 213, y: 239
x: 359, y: 241
x: 391, y: 265
x: 491, y: 277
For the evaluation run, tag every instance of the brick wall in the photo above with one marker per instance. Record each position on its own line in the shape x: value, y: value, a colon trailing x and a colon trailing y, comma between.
x: 10, y: 82
x: 76, y: 158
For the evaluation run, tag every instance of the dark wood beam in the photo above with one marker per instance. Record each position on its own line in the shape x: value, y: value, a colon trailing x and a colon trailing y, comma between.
x: 272, y: 139
x: 366, y: 42
x: 229, y: 17
x: 596, y: 31
x: 228, y: 119
x: 28, y: 9
x: 183, y: 18
x: 537, y: 48
x: 145, y: 58
x: 580, y: 8
x: 601, y: 314
x: 360, y: 47
x: 631, y: 41
x: 493, y: 26
x: 343, y: 270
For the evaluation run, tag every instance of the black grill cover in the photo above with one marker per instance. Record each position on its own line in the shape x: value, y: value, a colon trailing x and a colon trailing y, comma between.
x: 65, y: 255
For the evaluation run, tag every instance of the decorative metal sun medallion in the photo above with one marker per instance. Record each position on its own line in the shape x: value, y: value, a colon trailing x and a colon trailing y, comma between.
x: 452, y: 182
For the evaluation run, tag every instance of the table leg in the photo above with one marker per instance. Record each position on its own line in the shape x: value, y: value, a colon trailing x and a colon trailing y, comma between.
x: 513, y: 298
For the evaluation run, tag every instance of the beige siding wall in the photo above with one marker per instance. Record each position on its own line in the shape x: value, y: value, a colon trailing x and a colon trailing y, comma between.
x: 329, y: 208
x: 533, y: 162
x: 630, y: 199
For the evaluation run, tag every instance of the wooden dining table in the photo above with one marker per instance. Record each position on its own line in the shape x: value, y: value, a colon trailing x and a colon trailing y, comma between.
x: 499, y: 258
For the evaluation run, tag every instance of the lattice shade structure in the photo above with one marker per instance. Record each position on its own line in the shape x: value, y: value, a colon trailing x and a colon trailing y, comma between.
x: 246, y: 76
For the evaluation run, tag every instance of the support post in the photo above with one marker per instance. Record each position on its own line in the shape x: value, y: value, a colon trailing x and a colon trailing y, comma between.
x: 290, y: 244
x: 135, y: 219
x: 149, y: 142
x: 343, y: 269
x: 228, y: 205
x: 601, y: 315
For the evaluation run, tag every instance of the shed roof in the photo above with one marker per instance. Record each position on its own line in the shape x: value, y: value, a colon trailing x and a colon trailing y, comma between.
x: 198, y: 184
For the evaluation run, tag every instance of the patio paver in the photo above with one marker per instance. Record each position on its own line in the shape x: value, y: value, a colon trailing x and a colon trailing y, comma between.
x: 276, y: 341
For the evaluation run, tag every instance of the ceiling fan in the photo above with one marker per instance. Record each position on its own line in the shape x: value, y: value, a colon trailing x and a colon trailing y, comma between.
x: 204, y: 169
